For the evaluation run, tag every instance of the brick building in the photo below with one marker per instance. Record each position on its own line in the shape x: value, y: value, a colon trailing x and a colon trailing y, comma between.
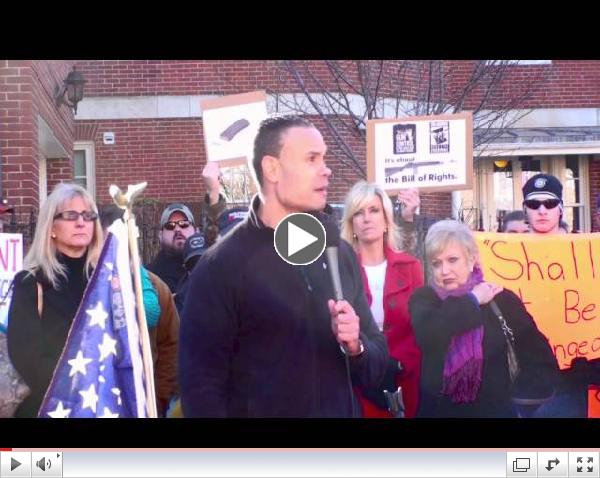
x: 152, y: 109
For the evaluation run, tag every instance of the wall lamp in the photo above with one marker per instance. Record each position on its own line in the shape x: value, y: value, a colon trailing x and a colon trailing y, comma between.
x: 72, y: 88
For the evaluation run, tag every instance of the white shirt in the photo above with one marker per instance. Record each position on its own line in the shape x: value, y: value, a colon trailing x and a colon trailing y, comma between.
x: 376, y: 278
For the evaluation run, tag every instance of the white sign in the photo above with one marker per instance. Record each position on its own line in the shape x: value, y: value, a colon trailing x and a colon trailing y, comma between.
x: 230, y: 125
x: 431, y: 153
x: 108, y: 138
x: 11, y: 262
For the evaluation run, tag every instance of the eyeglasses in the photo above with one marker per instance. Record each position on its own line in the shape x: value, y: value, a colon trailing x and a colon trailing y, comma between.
x: 183, y: 224
x: 87, y: 216
x: 535, y: 203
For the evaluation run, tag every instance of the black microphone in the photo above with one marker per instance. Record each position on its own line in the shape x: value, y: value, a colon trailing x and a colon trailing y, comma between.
x: 332, y: 235
x: 332, y: 242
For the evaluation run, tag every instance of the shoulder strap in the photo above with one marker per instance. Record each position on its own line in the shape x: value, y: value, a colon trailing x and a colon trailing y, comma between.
x: 503, y: 324
x: 40, y: 296
x: 10, y: 287
x: 40, y: 302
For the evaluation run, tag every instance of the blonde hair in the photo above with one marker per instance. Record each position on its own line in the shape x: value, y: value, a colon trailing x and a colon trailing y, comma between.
x: 361, y: 193
x: 446, y: 232
x: 42, y: 254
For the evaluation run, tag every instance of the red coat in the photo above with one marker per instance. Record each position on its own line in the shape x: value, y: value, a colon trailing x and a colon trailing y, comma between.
x: 403, y: 275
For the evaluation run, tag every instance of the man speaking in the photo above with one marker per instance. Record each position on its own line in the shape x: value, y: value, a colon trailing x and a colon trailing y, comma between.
x: 261, y: 337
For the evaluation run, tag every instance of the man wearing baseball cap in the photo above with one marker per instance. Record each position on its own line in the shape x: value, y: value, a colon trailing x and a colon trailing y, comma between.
x: 177, y: 224
x: 231, y: 218
x: 543, y: 203
x: 194, y: 247
x: 544, y: 207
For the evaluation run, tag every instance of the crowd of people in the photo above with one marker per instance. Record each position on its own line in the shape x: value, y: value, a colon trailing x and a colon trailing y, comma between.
x: 237, y: 332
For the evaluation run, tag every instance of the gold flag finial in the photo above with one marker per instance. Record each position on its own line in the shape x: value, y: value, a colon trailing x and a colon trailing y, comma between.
x: 125, y: 201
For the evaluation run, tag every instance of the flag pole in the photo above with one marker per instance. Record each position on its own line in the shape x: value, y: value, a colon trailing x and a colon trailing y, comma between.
x: 125, y: 201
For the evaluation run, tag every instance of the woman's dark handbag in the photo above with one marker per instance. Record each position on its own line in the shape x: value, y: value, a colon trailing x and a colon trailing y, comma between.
x: 513, y: 362
x: 13, y: 389
x: 395, y: 402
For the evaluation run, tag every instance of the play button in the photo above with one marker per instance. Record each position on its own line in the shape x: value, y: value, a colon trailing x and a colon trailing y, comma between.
x: 299, y: 239
x: 14, y: 464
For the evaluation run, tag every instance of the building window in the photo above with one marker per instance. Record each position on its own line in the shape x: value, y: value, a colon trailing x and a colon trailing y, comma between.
x: 499, y: 183
x: 84, y: 166
x: 43, y: 178
x: 574, y: 191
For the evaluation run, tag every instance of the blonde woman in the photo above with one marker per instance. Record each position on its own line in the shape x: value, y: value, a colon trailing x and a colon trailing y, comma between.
x: 463, y: 338
x: 389, y: 277
x: 64, y: 252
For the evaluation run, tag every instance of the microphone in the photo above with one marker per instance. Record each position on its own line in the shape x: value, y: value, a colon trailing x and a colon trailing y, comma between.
x: 332, y: 242
x: 332, y: 235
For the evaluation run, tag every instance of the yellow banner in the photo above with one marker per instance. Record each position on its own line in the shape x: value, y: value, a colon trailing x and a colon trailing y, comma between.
x: 558, y: 280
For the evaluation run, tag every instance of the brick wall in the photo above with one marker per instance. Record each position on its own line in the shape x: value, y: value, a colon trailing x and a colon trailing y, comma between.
x: 27, y: 93
x: 161, y: 150
x: 170, y: 155
x: 58, y: 171
x: 17, y: 140
x: 569, y: 83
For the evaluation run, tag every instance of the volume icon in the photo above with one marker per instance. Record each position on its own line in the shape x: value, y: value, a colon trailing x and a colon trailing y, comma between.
x: 43, y: 463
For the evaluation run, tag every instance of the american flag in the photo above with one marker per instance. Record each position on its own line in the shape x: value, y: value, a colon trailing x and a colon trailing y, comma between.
x: 100, y: 372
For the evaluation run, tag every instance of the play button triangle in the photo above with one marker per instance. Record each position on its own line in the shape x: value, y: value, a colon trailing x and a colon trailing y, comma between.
x: 14, y: 464
x: 298, y: 239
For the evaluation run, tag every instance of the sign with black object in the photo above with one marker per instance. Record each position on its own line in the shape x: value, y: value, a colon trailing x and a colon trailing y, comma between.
x: 230, y: 126
x: 431, y: 153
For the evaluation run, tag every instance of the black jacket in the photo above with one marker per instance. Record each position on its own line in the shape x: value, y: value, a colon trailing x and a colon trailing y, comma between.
x: 256, y: 338
x: 35, y: 344
x: 435, y: 322
x: 169, y: 267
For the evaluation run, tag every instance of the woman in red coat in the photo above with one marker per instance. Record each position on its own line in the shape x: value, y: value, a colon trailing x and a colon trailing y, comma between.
x: 389, y: 277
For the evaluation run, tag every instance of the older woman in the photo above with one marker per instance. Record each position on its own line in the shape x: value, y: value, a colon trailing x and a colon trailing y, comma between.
x: 464, y: 337
x: 64, y: 252
x: 389, y: 277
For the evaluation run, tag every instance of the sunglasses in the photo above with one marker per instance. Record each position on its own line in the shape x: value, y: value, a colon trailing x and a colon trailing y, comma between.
x: 87, y: 216
x: 183, y: 224
x: 535, y: 203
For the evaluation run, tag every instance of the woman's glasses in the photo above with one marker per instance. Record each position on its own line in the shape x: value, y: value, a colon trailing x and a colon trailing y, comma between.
x: 535, y: 203
x: 74, y: 215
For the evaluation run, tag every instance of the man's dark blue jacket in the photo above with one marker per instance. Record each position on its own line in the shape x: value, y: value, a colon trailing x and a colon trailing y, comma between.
x: 256, y: 337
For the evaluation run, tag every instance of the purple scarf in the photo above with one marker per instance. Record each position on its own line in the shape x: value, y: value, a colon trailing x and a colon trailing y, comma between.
x: 463, y: 366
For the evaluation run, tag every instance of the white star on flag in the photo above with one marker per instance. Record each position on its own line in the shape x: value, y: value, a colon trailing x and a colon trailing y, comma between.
x: 108, y: 414
x: 109, y: 266
x: 107, y: 347
x: 98, y: 315
x: 117, y: 392
x: 90, y: 398
x: 78, y: 364
x: 60, y: 412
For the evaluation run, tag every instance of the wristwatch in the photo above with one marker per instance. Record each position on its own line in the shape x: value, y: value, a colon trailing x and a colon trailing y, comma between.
x: 361, y: 349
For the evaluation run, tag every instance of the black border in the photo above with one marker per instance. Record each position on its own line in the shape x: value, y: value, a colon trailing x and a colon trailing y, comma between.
x: 300, y: 433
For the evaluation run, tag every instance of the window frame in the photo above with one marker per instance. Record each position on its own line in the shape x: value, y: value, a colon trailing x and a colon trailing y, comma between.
x: 90, y: 164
